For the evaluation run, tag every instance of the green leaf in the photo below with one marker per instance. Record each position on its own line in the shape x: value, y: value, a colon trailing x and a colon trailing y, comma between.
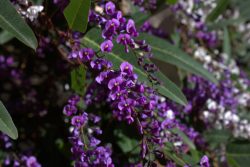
x: 168, y: 88
x: 219, y: 9
x: 5, y: 37
x: 78, y: 77
x: 171, y: 1
x: 226, y: 42
x: 176, y: 39
x: 243, y: 7
x: 238, y: 154
x: 217, y: 136
x: 222, y: 23
x: 76, y: 14
x: 37, y: 2
x: 175, y: 158
x: 139, y: 18
x: 6, y: 124
x: 126, y: 143
x: 189, y: 159
x: 184, y: 138
x: 168, y: 53
x: 12, y: 22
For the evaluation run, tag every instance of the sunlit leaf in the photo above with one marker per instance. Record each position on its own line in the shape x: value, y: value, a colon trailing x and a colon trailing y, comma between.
x: 76, y: 14
x: 168, y: 53
x: 12, y: 22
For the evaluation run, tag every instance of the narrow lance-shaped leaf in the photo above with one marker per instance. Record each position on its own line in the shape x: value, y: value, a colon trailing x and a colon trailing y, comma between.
x: 226, y: 43
x: 12, y: 22
x: 184, y: 138
x: 167, y: 88
x: 5, y: 37
x: 244, y: 9
x: 174, y: 157
x: 238, y: 154
x: 6, y: 124
x: 76, y: 14
x: 220, y: 8
x: 166, y: 52
x: 217, y: 136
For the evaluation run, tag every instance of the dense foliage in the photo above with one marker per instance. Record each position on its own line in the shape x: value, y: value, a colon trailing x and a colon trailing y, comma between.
x: 129, y: 83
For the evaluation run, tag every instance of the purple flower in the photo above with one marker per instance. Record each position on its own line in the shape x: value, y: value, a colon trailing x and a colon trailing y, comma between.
x: 126, y: 68
x: 124, y: 39
x: 117, y: 94
x: 101, y: 77
x: 126, y: 105
x: 130, y: 28
x: 129, y: 119
x: 115, y: 83
x: 69, y: 110
x: 86, y: 54
x: 94, y: 142
x: 110, y: 8
x: 120, y: 17
x: 100, y: 64
x: 73, y: 55
x: 204, y: 162
x: 78, y: 121
x: 107, y: 46
x: 110, y: 28
x: 32, y: 162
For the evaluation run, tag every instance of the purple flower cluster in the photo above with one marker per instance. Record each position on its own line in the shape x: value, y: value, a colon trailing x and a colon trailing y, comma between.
x: 115, y: 27
x: 86, y: 147
x: 129, y: 100
x: 194, y: 17
x: 20, y: 161
x: 136, y: 103
x: 8, y: 67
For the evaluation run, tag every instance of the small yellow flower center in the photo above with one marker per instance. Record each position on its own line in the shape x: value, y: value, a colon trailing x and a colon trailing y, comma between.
x: 116, y: 83
x: 106, y: 46
x: 126, y: 67
x: 86, y: 53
